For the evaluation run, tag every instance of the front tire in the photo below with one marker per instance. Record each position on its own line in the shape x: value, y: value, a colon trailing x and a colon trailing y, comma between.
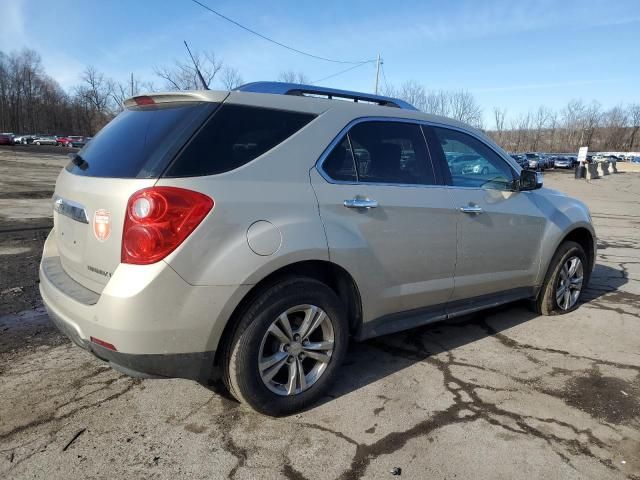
x: 565, y: 281
x: 288, y: 347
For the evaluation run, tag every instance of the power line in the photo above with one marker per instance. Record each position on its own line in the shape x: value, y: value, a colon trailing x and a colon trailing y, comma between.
x: 264, y: 37
x: 340, y: 72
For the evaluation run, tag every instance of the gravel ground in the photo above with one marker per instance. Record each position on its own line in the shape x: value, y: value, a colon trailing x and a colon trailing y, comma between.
x: 503, y: 394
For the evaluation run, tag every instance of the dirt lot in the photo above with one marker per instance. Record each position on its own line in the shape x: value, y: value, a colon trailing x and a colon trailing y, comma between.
x: 504, y: 394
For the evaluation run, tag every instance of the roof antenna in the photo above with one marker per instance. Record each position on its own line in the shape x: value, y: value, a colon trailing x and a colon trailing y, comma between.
x: 204, y: 84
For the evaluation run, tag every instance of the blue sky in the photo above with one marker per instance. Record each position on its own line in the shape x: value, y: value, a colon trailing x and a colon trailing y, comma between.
x: 512, y: 54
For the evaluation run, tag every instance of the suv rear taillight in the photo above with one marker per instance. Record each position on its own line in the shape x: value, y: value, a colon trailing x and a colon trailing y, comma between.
x: 159, y: 219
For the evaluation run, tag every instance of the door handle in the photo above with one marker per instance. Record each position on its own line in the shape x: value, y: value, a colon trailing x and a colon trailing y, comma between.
x: 361, y: 203
x: 471, y: 209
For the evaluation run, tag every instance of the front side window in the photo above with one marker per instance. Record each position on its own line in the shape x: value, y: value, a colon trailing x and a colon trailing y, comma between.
x: 471, y: 162
x: 391, y: 152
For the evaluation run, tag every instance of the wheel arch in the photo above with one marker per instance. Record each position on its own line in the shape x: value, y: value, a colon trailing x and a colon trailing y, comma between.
x: 584, y: 237
x: 329, y: 273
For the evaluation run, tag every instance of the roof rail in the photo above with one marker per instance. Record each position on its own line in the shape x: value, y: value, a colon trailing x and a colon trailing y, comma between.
x: 282, y: 88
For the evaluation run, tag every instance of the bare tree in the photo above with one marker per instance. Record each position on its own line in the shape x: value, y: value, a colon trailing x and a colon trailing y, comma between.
x: 183, y: 75
x: 552, y: 126
x: 540, y: 120
x: 231, y: 78
x: 523, y: 124
x: 634, y: 116
x: 614, y: 126
x: 591, y: 120
x: 463, y: 107
x: 499, y: 115
x: 413, y: 93
x: 290, y: 76
x: 437, y: 103
x: 460, y: 105
x: 96, y: 89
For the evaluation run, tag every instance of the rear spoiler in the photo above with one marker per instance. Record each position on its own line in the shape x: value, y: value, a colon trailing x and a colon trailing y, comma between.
x: 173, y: 97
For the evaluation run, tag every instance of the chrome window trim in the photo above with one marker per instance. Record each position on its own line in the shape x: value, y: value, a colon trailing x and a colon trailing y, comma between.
x: 344, y: 131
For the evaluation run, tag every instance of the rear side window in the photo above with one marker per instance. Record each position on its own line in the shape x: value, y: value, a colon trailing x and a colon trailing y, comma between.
x: 339, y: 164
x: 234, y: 136
x: 391, y: 152
x: 139, y: 142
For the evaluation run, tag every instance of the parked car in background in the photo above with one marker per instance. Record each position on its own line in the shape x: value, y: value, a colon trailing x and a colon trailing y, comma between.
x: 77, y: 141
x: 62, y: 141
x: 45, y: 140
x: 634, y: 159
x: 469, y: 164
x: 6, y: 139
x: 563, y: 162
x: 177, y: 249
x: 23, y: 139
x: 546, y: 160
x: 550, y: 160
x: 534, y: 161
x: 521, y: 159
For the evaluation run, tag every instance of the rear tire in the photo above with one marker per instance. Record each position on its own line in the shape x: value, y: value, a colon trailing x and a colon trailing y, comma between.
x: 565, y: 281
x: 258, y: 349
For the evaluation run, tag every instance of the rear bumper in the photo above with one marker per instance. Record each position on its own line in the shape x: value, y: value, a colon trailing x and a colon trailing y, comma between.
x: 194, y: 366
x: 159, y: 324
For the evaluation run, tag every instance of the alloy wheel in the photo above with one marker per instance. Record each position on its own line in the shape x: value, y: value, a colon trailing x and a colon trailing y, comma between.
x: 569, y: 283
x: 296, y: 350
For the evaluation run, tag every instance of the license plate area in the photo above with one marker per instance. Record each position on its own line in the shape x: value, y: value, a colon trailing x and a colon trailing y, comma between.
x: 71, y: 238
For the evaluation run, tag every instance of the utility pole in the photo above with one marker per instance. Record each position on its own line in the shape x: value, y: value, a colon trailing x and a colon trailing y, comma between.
x: 378, y: 63
x: 132, y: 94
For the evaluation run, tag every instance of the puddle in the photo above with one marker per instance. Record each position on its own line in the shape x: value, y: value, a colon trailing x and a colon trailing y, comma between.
x: 607, y: 398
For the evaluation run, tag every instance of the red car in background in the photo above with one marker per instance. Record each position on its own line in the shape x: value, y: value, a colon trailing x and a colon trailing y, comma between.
x: 6, y: 138
x: 71, y: 141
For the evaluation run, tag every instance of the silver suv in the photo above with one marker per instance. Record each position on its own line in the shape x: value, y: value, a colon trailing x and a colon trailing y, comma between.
x: 249, y: 234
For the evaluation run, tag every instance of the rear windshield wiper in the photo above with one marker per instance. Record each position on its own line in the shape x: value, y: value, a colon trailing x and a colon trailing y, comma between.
x: 78, y: 161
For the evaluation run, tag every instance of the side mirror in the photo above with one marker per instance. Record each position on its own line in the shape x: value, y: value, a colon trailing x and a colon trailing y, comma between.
x: 530, y: 180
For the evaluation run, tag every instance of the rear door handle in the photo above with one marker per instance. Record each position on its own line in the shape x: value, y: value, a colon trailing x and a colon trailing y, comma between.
x: 361, y: 203
x: 471, y: 209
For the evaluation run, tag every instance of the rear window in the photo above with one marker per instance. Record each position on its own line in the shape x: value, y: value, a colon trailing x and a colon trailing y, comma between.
x: 140, y: 142
x: 234, y: 136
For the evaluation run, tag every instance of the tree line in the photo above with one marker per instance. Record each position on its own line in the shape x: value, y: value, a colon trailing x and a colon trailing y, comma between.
x: 33, y: 102
x: 564, y: 129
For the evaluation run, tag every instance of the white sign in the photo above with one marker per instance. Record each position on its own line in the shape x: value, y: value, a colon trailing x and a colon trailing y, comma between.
x: 582, y: 155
